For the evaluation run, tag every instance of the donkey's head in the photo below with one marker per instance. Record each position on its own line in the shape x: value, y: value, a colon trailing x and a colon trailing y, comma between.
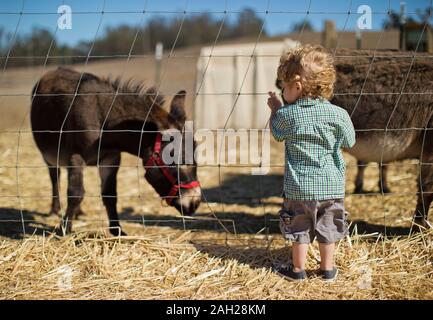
x: 170, y: 166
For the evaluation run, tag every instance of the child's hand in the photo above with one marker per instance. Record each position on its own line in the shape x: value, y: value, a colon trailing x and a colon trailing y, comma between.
x: 273, y: 102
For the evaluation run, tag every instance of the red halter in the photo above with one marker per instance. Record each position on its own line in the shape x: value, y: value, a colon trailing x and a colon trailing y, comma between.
x: 155, y: 158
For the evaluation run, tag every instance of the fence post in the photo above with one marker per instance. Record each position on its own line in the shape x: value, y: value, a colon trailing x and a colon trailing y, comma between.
x: 329, y: 35
x: 232, y: 122
x: 402, y: 21
x: 358, y: 38
x: 255, y: 96
x: 158, y: 59
x: 429, y: 39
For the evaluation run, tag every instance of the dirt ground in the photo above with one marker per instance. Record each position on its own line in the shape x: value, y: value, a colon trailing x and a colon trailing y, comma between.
x: 225, y: 251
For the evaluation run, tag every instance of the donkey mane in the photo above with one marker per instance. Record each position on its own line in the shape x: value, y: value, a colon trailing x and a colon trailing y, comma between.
x: 149, y: 97
x: 135, y: 87
x: 135, y: 101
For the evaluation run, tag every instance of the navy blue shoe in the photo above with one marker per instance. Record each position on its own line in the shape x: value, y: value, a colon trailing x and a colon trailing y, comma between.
x: 288, y: 273
x: 329, y: 275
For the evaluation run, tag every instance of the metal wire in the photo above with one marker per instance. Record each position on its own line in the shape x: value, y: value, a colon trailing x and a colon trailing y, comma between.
x: 375, y: 55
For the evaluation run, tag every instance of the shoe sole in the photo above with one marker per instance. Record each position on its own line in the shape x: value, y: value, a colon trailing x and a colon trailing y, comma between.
x: 332, y: 279
x: 290, y: 279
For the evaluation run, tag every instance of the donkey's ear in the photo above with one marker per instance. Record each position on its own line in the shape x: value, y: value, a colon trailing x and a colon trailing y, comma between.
x: 177, y: 108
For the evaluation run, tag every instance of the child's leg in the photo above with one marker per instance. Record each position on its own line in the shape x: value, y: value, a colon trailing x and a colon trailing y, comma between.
x: 299, y: 256
x: 326, y: 255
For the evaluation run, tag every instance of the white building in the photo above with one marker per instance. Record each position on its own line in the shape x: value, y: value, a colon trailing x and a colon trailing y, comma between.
x: 232, y: 84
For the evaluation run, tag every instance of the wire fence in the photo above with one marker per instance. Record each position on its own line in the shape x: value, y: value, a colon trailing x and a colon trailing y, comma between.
x: 227, y: 225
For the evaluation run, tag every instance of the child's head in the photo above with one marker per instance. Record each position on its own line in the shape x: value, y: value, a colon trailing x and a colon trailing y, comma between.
x: 307, y: 71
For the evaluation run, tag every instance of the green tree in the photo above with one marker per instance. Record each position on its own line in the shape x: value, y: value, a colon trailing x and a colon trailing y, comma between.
x: 393, y: 21
x: 187, y: 30
x: 426, y: 15
x: 248, y: 24
x: 302, y: 25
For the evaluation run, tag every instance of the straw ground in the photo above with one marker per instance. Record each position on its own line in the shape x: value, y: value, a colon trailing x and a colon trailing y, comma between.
x: 225, y: 252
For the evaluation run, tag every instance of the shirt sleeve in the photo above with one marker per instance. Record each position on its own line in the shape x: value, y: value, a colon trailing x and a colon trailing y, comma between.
x: 347, y: 132
x: 280, y: 124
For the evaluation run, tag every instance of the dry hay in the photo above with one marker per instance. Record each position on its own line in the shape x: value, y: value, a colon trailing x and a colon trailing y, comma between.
x: 225, y: 252
x: 172, y: 265
x: 167, y: 257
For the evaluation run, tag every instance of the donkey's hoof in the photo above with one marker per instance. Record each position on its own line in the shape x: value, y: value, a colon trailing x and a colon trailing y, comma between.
x: 416, y: 228
x: 62, y: 232
x: 79, y: 213
x: 54, y: 212
x: 117, y: 231
x: 420, y: 224
x: 359, y: 190
x: 386, y: 190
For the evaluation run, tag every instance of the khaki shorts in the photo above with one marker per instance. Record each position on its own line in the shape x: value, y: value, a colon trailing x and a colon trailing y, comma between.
x: 302, y: 221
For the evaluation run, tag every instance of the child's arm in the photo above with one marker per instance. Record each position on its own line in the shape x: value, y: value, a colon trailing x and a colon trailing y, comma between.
x: 277, y: 121
x: 273, y: 102
x: 348, y: 132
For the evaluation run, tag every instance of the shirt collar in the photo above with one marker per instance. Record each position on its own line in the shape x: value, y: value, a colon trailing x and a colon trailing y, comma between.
x: 309, y: 101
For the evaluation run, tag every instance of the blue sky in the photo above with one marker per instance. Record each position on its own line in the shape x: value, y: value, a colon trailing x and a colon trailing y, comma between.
x: 283, y: 13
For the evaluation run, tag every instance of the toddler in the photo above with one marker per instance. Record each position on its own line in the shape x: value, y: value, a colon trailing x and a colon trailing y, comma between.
x: 314, y: 131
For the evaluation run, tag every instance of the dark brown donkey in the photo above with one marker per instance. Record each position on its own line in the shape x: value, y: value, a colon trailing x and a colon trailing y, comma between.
x: 390, y: 100
x: 80, y: 119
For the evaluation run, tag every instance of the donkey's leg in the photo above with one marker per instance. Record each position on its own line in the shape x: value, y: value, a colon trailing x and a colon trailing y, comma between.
x: 109, y: 166
x: 75, y: 191
x: 425, y: 191
x: 383, y: 180
x: 359, y: 181
x: 425, y: 181
x: 425, y: 198
x: 55, y: 184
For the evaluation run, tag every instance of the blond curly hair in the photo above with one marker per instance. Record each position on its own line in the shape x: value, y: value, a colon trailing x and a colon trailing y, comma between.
x: 315, y: 67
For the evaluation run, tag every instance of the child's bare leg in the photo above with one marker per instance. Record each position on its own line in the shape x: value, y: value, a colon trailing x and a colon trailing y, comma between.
x: 326, y: 255
x: 299, y: 256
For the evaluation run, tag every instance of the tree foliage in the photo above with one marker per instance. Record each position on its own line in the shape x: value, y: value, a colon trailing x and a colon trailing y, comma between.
x: 302, y: 25
x: 182, y: 31
x: 393, y: 20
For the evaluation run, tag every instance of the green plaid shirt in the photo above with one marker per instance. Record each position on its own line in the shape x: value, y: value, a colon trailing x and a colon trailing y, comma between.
x: 314, y: 131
